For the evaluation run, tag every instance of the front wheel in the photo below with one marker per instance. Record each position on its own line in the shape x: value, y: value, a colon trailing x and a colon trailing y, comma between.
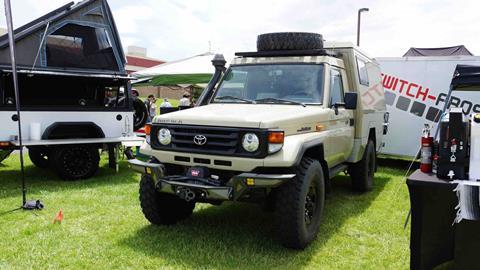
x: 362, y: 172
x: 39, y: 156
x: 162, y: 208
x: 74, y: 162
x: 299, y: 205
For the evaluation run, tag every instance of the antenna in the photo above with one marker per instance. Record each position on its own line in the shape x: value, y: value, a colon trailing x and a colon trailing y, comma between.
x: 8, y: 14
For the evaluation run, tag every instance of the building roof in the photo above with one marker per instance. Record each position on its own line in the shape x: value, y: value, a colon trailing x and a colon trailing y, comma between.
x: 137, y: 61
x: 444, y: 51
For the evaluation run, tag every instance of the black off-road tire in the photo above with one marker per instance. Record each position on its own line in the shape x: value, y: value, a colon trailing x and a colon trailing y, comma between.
x: 162, y: 208
x: 75, y: 162
x: 289, y: 41
x: 362, y: 172
x: 4, y: 154
x: 140, y: 114
x: 39, y: 156
x: 294, y: 203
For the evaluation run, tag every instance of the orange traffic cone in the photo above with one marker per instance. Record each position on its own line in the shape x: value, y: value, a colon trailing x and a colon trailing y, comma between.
x: 58, y: 218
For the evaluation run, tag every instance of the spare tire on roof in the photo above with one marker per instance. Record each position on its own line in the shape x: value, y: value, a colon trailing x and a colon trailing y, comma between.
x: 289, y: 41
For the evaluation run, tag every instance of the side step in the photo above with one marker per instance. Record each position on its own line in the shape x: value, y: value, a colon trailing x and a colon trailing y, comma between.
x: 336, y: 170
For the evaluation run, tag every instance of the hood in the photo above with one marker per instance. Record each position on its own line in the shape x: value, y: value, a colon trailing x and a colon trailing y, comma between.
x: 245, y: 115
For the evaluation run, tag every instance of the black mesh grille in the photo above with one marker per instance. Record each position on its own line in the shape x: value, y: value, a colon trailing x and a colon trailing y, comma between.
x: 219, y: 140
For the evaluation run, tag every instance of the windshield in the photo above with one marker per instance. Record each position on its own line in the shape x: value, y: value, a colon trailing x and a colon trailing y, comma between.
x: 275, y: 83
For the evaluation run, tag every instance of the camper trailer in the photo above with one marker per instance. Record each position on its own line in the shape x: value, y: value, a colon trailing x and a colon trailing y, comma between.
x: 75, y: 95
x: 416, y: 87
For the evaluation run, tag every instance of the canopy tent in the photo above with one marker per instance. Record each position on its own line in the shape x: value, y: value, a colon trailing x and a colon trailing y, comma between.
x: 466, y: 78
x: 444, y: 51
x: 73, y: 38
x: 197, y: 69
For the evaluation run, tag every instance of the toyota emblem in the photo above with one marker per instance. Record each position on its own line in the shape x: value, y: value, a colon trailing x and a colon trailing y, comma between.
x: 200, y: 140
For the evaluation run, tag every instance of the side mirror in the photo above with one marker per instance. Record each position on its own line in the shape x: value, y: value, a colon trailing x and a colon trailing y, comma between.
x: 351, y: 101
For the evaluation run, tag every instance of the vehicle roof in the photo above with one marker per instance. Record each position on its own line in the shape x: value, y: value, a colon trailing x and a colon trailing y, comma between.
x: 332, y: 45
x: 289, y: 59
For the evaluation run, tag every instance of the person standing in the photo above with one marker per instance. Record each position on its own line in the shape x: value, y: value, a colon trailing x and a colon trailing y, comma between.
x: 166, y: 104
x: 184, y: 101
x: 147, y: 104
x: 153, y: 107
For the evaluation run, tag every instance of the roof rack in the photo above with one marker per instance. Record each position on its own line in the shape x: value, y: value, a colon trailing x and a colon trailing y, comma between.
x: 318, y: 52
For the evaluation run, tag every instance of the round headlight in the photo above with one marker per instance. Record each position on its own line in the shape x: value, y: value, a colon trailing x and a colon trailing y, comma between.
x: 164, y: 136
x: 250, y: 142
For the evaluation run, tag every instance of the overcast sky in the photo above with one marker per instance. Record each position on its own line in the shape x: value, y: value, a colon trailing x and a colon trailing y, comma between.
x: 173, y: 29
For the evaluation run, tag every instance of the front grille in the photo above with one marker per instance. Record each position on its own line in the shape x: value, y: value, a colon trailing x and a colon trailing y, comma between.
x: 219, y: 140
x: 224, y: 140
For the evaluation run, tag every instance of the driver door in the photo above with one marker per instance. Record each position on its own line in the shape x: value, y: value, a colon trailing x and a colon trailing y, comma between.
x: 339, y: 118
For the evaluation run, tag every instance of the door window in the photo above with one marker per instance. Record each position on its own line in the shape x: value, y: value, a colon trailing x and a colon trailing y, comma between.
x: 336, y: 86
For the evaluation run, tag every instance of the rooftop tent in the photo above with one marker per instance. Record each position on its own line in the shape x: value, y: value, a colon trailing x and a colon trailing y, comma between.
x: 445, y: 51
x: 466, y: 78
x: 75, y: 37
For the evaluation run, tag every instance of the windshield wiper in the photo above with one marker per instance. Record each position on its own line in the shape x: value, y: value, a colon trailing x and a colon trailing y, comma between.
x: 234, y: 98
x: 279, y: 100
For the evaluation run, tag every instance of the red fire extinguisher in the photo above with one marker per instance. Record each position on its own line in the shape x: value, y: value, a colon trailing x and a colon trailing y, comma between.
x: 426, y: 151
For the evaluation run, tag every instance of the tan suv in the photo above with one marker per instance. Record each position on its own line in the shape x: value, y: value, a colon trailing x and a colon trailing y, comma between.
x: 273, y: 128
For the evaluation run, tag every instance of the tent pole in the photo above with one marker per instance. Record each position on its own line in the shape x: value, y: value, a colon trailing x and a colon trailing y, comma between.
x: 11, y: 41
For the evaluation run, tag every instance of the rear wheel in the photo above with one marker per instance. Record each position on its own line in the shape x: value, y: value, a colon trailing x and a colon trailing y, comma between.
x: 4, y: 154
x: 74, y: 162
x: 162, y: 208
x: 362, y: 172
x: 39, y: 156
x: 299, y: 205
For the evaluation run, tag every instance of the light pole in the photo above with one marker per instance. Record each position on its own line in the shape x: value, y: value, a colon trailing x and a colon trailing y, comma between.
x: 358, y: 24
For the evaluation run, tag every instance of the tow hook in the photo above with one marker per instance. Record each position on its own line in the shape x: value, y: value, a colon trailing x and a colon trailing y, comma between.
x: 185, y: 193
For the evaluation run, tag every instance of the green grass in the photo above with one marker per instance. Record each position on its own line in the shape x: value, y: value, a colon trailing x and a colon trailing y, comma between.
x: 104, y: 228
x: 174, y: 102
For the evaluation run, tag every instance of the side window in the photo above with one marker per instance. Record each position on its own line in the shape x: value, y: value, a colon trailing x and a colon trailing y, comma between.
x: 78, y: 46
x: 336, y: 87
x: 362, y: 72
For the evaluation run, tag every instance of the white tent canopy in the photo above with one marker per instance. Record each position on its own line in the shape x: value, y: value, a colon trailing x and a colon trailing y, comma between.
x: 198, y: 64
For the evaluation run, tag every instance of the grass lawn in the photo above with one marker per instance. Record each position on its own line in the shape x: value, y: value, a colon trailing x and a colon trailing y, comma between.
x: 174, y: 102
x: 104, y: 228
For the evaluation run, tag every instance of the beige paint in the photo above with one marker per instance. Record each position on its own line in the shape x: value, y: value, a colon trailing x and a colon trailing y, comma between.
x: 342, y: 142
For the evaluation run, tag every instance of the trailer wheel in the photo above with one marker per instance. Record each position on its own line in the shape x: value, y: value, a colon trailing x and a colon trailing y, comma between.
x: 299, y: 205
x: 74, y: 162
x: 162, y: 208
x: 39, y: 156
x: 362, y: 172
x: 140, y: 114
x: 4, y: 154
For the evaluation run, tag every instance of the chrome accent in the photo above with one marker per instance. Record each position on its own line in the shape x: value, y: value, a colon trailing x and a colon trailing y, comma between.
x: 200, y: 140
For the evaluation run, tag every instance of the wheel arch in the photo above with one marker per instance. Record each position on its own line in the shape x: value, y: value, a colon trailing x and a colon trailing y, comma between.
x: 316, y: 151
x: 70, y: 130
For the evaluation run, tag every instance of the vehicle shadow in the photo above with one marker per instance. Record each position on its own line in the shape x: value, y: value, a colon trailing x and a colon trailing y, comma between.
x: 398, y: 163
x: 236, y: 235
x: 46, y: 180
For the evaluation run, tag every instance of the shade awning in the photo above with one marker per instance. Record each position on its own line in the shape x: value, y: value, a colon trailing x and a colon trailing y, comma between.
x: 466, y: 78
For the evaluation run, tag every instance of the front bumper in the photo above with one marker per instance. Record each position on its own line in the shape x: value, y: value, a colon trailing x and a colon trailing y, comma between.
x: 194, y: 188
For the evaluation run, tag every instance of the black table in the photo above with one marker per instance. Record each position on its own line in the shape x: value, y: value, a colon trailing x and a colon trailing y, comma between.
x: 434, y: 239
